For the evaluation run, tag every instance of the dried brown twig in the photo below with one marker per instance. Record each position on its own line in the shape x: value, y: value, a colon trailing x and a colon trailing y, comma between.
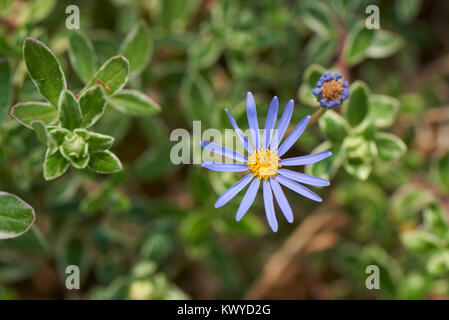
x: 316, y: 233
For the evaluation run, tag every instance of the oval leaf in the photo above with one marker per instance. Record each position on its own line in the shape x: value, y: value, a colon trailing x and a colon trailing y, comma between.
x: 137, y: 48
x: 69, y: 111
x: 382, y: 110
x: 44, y: 69
x: 389, y: 146
x: 41, y: 131
x: 134, y: 103
x: 82, y: 56
x: 318, y: 17
x: 334, y: 126
x: 28, y: 112
x: 99, y: 142
x: 92, y: 104
x: 104, y: 162
x: 384, y: 44
x: 112, y: 75
x: 357, y: 105
x: 16, y: 216
x: 55, y: 164
x: 357, y: 43
x: 5, y: 89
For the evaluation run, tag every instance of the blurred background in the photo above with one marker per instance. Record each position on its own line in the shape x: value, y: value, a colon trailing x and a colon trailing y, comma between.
x: 152, y: 232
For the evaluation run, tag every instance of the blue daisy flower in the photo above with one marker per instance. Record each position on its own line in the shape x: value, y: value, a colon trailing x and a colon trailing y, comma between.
x: 264, y: 163
x: 329, y: 91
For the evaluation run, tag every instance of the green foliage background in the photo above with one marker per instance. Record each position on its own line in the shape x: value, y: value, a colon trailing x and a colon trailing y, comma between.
x: 151, y: 231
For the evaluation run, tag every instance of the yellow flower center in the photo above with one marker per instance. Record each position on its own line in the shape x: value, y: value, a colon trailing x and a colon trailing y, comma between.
x: 331, y: 90
x: 263, y: 163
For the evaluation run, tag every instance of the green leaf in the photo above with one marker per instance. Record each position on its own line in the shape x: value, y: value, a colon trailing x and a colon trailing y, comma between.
x: 27, y: 112
x: 420, y: 241
x: 112, y: 75
x: 153, y: 164
x: 55, y: 165
x: 443, y: 171
x: 206, y: 52
x: 358, y: 168
x: 345, y: 8
x: 435, y: 219
x: 69, y: 111
x: 58, y: 134
x: 328, y: 167
x: 82, y: 56
x: 197, y: 96
x: 137, y: 48
x: 319, y: 18
x: 41, y: 131
x: 80, y: 163
x: 5, y: 89
x: 334, y: 126
x: 382, y: 110
x: 99, y: 142
x: 104, y: 162
x: 44, y: 69
x: 357, y: 106
x: 92, y: 105
x: 134, y: 103
x: 359, y: 156
x: 320, y: 50
x: 311, y: 76
x: 384, y: 44
x: 16, y: 216
x: 357, y: 43
x: 389, y: 146
x: 35, y: 11
x: 414, y: 286
x: 407, y: 10
x: 438, y: 264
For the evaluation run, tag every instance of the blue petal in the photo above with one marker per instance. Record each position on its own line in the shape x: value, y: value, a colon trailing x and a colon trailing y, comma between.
x: 303, y: 178
x: 269, y: 206
x: 232, y: 191
x: 224, y: 167
x: 239, y: 133
x: 248, y: 199
x: 252, y: 119
x: 294, y: 136
x: 282, y: 125
x: 282, y: 200
x: 298, y: 188
x: 270, y: 122
x: 309, y: 159
x: 223, y: 151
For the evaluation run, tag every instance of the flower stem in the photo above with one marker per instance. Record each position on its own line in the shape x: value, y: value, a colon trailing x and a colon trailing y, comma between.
x: 317, y: 114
